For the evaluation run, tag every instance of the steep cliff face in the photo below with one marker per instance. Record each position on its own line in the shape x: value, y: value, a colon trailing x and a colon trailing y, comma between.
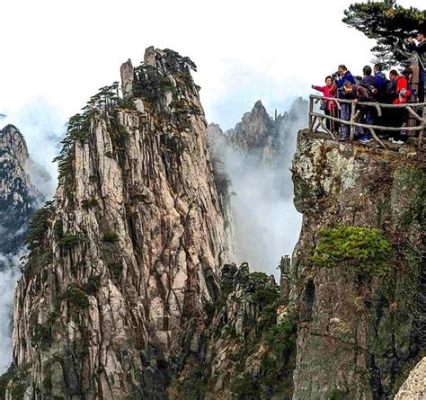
x: 125, y: 259
x: 358, y: 280
x: 248, y: 349
x: 19, y: 197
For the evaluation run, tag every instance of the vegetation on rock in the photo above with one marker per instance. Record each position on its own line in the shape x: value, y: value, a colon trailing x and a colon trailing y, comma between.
x: 363, y: 248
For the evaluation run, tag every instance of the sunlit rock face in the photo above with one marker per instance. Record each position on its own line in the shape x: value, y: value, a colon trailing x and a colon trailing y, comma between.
x: 18, y: 195
x: 125, y: 259
x: 359, y: 331
x: 414, y: 388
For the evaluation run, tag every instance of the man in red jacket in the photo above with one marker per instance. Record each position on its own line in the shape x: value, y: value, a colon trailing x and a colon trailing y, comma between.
x: 398, y: 116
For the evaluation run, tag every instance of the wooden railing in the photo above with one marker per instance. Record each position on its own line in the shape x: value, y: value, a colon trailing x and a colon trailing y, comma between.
x: 317, y: 120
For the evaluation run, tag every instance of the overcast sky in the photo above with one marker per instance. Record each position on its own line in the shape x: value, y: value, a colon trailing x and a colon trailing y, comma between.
x: 56, y: 54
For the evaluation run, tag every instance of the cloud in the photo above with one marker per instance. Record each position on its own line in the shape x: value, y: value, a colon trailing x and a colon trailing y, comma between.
x: 266, y: 222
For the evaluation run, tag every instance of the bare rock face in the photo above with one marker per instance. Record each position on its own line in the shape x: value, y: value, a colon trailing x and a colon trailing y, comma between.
x: 360, y: 327
x: 414, y: 388
x: 127, y: 76
x: 254, y: 129
x: 19, y: 198
x: 124, y: 261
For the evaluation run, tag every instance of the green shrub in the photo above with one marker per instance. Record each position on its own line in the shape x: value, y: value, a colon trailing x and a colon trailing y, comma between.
x: 352, y: 246
x: 110, y: 237
x: 244, y: 387
x: 5, y: 379
x: 76, y: 298
x: 58, y: 229
x: 39, y: 226
x: 37, y: 260
x: 68, y: 241
x: 41, y: 336
x: 89, y: 203
x: 93, y: 284
x: 281, y: 338
x: 116, y: 268
x: 17, y: 378
x: 339, y: 395
x: 258, y: 277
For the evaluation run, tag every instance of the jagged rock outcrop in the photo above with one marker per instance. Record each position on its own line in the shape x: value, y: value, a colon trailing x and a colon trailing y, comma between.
x: 258, y: 135
x: 249, y: 346
x: 256, y: 130
x: 358, y: 278
x: 127, y: 76
x: 19, y: 198
x: 124, y: 261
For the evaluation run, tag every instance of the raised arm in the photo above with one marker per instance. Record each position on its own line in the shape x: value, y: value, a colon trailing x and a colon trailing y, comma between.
x: 319, y: 88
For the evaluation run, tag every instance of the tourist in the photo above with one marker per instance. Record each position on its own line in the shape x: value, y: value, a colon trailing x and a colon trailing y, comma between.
x: 344, y: 75
x: 398, y: 116
x: 329, y: 106
x: 420, y: 49
x: 356, y: 93
x: 379, y: 81
x: 368, y: 113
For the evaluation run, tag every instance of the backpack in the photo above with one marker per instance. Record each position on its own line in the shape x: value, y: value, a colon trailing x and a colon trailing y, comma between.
x: 389, y: 90
x: 370, y: 91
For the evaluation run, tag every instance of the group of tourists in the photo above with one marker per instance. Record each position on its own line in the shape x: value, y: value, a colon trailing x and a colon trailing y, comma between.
x: 373, y: 86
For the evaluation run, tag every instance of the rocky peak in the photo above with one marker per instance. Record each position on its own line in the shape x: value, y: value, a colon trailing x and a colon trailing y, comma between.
x: 18, y: 196
x: 254, y: 130
x: 124, y: 261
x: 12, y: 141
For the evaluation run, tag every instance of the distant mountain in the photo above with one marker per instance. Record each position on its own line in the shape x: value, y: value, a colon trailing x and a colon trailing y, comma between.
x: 19, y: 196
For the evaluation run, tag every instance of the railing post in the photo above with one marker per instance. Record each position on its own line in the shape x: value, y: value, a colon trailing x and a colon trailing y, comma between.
x: 311, y: 109
x: 352, y: 126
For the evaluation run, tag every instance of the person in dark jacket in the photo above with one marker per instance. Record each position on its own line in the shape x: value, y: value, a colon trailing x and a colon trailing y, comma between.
x: 420, y: 49
x: 343, y: 75
x: 368, y: 113
x: 385, y: 88
x: 349, y: 91
x: 379, y: 79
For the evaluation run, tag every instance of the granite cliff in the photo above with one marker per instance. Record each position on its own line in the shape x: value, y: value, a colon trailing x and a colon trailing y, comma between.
x: 123, y: 261
x: 358, y: 277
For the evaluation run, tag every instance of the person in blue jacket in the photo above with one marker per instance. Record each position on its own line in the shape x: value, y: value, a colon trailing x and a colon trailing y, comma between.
x: 344, y: 75
x: 379, y: 78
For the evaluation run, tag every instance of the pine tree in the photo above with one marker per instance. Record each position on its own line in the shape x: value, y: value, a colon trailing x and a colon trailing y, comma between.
x: 389, y: 24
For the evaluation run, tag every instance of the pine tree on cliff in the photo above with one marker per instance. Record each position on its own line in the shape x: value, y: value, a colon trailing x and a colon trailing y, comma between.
x: 389, y: 24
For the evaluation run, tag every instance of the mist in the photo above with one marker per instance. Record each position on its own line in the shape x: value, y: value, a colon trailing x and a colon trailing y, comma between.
x: 266, y: 223
x: 8, y: 280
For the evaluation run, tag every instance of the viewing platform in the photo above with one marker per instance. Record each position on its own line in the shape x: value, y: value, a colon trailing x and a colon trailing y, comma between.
x: 414, y: 129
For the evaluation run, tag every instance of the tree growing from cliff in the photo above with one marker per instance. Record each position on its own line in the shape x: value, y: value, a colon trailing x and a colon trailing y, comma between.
x: 389, y: 24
